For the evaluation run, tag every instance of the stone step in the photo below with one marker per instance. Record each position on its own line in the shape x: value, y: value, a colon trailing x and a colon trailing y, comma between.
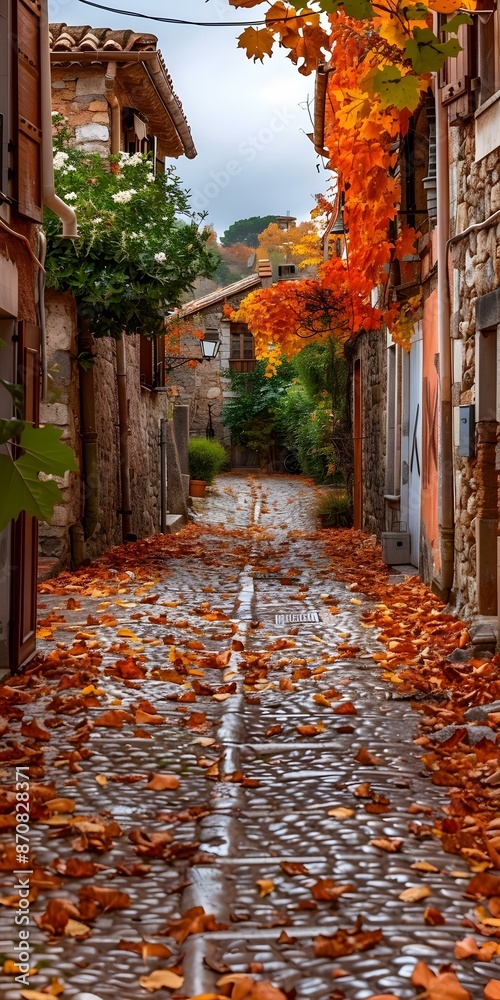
x: 173, y: 523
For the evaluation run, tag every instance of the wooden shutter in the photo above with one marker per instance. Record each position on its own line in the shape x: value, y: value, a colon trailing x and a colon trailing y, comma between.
x: 25, y: 536
x: 28, y: 140
x: 146, y: 360
x: 159, y: 361
x: 457, y: 78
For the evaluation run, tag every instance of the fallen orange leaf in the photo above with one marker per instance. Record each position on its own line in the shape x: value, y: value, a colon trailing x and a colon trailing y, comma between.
x: 266, y: 885
x: 161, y: 782
x: 492, y: 990
x: 161, y: 978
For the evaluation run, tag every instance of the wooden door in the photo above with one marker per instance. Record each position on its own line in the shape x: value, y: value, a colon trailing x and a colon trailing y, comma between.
x: 358, y: 447
x: 25, y: 535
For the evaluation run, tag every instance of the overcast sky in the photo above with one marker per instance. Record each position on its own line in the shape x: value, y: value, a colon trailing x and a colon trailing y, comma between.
x: 248, y: 120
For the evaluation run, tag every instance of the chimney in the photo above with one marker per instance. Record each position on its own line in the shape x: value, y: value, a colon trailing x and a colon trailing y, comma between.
x: 265, y: 273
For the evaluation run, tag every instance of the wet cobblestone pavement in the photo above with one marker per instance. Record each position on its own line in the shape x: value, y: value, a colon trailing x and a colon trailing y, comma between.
x: 243, y: 590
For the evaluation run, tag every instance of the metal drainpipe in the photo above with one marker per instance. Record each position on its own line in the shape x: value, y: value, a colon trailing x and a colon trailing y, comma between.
x: 445, y: 467
x: 42, y: 254
x: 123, y: 431
x: 109, y: 83
x: 163, y: 475
x: 50, y: 199
x: 88, y: 434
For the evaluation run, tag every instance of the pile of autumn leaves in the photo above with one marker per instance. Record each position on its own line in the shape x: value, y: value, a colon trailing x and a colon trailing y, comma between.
x: 418, y: 637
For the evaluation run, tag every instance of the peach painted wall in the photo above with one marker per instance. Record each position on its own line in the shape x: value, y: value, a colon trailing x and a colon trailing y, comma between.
x: 430, y: 444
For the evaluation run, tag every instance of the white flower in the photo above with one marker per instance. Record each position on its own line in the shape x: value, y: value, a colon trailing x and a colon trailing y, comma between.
x: 122, y: 197
x: 97, y: 220
x: 160, y: 258
x: 134, y: 160
x: 70, y: 167
x: 60, y: 159
x: 150, y: 177
x: 71, y: 196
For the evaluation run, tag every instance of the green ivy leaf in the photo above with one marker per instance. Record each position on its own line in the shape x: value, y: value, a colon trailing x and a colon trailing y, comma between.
x: 24, y: 491
x: 360, y: 9
x: 21, y: 487
x: 417, y: 12
x: 10, y: 429
x: 396, y: 90
x: 454, y: 24
x: 426, y: 53
x: 17, y: 393
x: 45, y: 452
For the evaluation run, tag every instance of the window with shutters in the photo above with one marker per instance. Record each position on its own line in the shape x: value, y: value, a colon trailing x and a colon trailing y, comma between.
x: 486, y: 23
x: 457, y: 75
x: 136, y: 137
x: 486, y: 86
x: 152, y: 361
x: 242, y: 349
x: 473, y: 77
x: 27, y: 100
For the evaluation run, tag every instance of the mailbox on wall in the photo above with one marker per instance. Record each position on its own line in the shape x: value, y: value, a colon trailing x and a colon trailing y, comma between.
x: 467, y: 437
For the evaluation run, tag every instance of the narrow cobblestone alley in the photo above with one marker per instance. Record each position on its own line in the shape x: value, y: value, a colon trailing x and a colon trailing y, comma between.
x: 221, y: 667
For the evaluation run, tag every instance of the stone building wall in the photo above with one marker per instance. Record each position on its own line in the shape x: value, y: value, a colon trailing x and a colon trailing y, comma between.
x: 146, y: 409
x: 372, y: 352
x: 63, y: 410
x: 206, y: 383
x: 203, y: 384
x: 475, y: 259
x: 79, y: 93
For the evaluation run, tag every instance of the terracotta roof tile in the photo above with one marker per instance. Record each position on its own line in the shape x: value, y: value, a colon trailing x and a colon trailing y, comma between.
x: 206, y: 301
x: 156, y: 99
x: 85, y: 38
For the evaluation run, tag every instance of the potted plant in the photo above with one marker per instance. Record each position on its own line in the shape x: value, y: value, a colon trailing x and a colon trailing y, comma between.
x: 206, y: 459
x: 334, y: 509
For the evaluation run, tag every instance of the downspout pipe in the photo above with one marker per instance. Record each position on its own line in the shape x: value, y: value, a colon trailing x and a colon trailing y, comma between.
x: 445, y: 467
x: 42, y: 254
x: 88, y: 431
x: 123, y: 433
x: 114, y: 104
x: 50, y: 198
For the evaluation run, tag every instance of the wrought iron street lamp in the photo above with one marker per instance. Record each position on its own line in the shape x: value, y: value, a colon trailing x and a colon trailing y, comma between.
x: 209, y: 351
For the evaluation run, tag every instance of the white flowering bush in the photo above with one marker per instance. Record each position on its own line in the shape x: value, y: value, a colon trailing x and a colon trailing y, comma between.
x: 140, y: 246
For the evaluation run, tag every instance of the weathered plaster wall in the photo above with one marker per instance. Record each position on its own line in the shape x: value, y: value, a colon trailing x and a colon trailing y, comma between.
x: 146, y: 409
x: 475, y: 272
x: 372, y: 351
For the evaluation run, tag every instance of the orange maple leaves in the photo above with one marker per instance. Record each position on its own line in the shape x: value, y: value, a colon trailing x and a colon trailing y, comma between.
x: 361, y: 137
x: 301, y: 33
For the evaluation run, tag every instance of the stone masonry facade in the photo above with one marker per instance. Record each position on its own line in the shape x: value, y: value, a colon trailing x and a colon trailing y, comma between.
x: 79, y: 93
x: 146, y: 409
x: 475, y: 190
x: 198, y: 387
x: 372, y: 353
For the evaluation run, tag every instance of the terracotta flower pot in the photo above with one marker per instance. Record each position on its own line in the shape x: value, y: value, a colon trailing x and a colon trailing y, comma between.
x: 197, y: 487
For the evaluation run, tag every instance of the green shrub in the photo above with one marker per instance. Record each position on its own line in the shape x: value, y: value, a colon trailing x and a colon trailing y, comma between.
x: 335, y: 509
x: 206, y: 459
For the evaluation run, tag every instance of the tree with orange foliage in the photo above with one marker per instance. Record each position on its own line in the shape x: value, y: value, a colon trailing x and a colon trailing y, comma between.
x: 299, y: 244
x: 381, y: 57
